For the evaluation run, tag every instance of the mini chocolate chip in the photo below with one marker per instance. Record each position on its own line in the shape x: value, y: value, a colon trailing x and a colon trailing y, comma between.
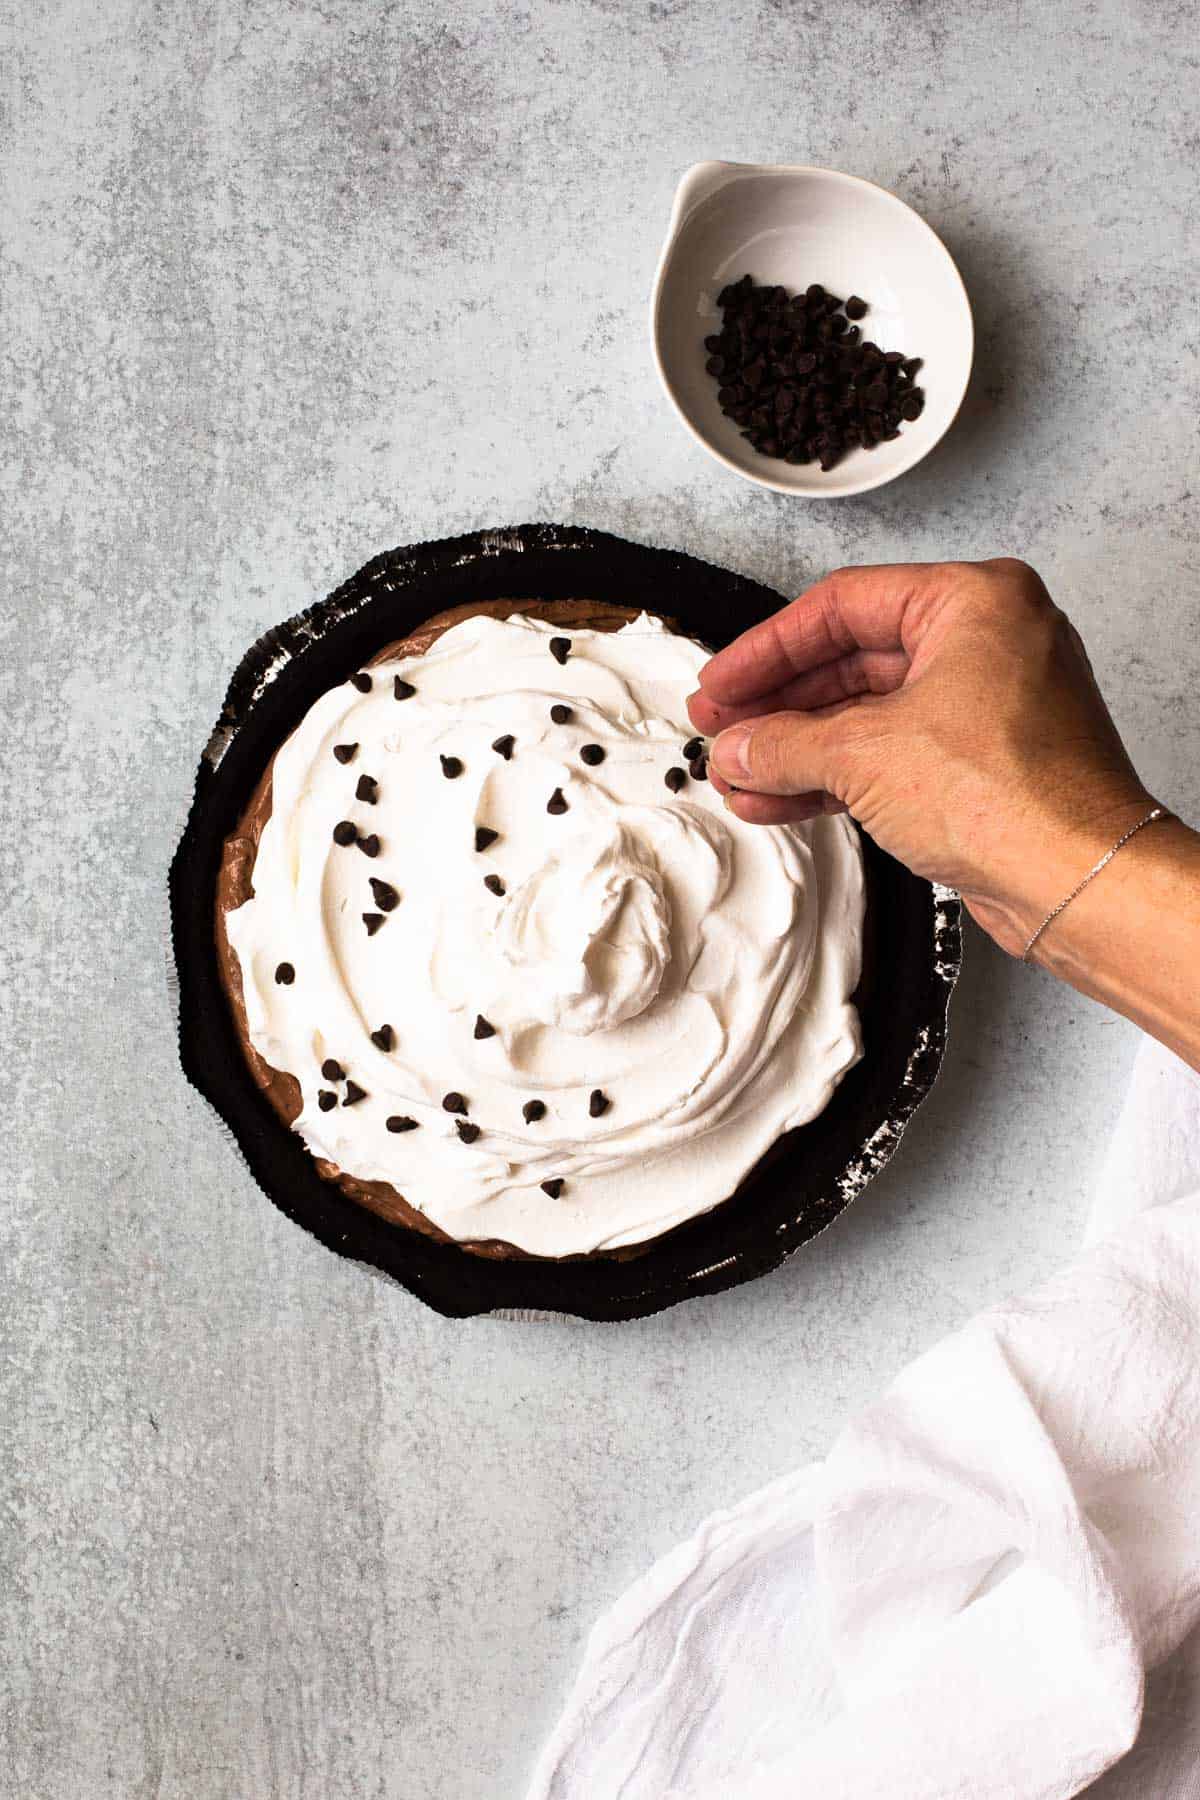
x: 494, y: 885
x: 372, y: 921
x: 503, y: 746
x: 353, y: 1094
x: 484, y: 835
x: 533, y: 1110
x: 345, y: 752
x: 367, y: 789
x: 401, y: 689
x: 332, y: 1070
x: 484, y: 1027
x: 675, y: 778
x: 598, y: 1103
x: 385, y: 896
x: 369, y: 845
x: 554, y: 1186
x: 398, y: 1122
x: 345, y: 833
x: 466, y: 1131
x: 856, y: 308
x: 698, y: 768
x: 913, y: 406
x: 560, y: 648
x: 384, y: 1038
x: 556, y: 803
x: 451, y: 767
x: 326, y: 1101
x: 592, y: 755
x: 453, y: 1102
x: 362, y: 681
x: 285, y: 974
x: 692, y: 749
x: 562, y: 715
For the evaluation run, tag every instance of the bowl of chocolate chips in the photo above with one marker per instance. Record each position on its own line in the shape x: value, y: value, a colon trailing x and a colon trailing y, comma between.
x: 810, y: 329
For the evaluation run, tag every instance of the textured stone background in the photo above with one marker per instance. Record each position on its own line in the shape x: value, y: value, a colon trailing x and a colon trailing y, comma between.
x: 285, y: 284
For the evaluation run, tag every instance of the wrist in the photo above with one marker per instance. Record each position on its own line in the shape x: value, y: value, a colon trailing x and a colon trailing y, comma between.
x: 1084, y: 944
x: 1051, y: 850
x: 1082, y: 857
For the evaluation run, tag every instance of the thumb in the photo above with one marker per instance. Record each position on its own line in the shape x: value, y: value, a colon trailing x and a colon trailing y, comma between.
x: 788, y: 752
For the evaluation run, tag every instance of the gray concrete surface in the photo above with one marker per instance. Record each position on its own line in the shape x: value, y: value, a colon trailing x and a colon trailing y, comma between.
x: 288, y: 283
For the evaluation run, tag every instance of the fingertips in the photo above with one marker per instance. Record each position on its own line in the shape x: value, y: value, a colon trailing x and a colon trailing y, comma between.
x: 705, y: 714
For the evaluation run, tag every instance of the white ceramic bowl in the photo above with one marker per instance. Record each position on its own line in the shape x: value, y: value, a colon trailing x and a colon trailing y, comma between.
x: 790, y: 226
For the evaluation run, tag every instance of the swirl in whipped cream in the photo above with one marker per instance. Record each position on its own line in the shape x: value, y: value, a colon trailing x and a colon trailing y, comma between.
x: 695, y: 970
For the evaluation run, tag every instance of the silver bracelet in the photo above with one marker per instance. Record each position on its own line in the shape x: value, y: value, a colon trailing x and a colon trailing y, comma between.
x: 1156, y: 812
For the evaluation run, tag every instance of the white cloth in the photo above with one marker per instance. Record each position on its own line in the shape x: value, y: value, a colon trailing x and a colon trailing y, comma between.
x: 962, y: 1601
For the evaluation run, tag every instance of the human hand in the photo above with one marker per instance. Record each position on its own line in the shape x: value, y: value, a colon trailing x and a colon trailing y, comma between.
x: 951, y: 709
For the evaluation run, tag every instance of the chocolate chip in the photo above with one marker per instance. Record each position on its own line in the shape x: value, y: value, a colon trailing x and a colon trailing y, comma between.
x: 345, y: 752
x: 285, y: 974
x: 369, y: 845
x: 503, y: 746
x: 372, y: 921
x: 451, y: 767
x: 675, y: 778
x: 398, y: 1122
x: 562, y: 715
x: 560, y: 648
x: 484, y: 835
x: 453, y: 1102
x: 384, y: 894
x: 693, y: 748
x: 401, y: 689
x: 345, y: 833
x: 914, y: 406
x: 353, y: 1094
x: 466, y: 1131
x: 494, y: 885
x: 789, y: 366
x: 331, y: 1070
x: 698, y: 768
x: 554, y: 1186
x: 384, y: 1038
x: 367, y: 789
x: 556, y: 803
x: 362, y: 681
x: 533, y: 1110
x: 326, y: 1101
x: 598, y: 1103
x: 592, y: 755
x: 484, y: 1027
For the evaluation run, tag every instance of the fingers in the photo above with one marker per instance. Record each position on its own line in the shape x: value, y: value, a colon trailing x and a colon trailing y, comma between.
x: 868, y: 609
x: 861, y: 672
x: 788, y: 753
x: 774, y: 809
x: 781, y: 809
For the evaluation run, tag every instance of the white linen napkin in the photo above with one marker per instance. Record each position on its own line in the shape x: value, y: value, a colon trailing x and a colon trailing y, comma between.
x: 962, y: 1601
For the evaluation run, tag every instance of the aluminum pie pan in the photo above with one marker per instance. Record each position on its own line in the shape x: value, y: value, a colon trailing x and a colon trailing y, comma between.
x: 912, y: 952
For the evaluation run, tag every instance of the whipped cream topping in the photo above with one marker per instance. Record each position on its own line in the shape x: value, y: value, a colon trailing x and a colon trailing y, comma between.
x: 671, y: 984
